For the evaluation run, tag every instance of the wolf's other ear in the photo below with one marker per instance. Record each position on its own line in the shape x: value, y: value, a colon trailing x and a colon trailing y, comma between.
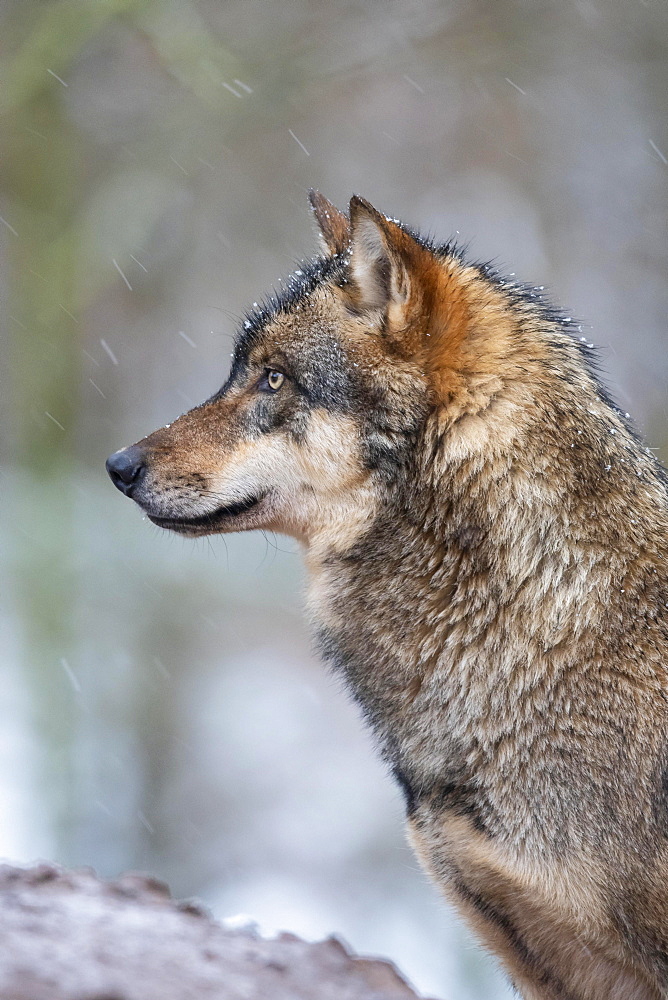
x: 334, y: 225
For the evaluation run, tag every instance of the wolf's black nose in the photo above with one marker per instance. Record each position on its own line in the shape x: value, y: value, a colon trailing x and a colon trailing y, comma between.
x: 125, y: 468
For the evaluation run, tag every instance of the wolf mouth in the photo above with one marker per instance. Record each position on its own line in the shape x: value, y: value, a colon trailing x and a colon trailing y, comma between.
x: 208, y: 520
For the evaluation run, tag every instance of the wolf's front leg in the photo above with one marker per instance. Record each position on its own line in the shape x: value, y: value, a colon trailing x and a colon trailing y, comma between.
x: 546, y: 921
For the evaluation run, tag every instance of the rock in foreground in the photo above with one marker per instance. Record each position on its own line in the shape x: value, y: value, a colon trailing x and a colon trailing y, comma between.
x: 67, y: 935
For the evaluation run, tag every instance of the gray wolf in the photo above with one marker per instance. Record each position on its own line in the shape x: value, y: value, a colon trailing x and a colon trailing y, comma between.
x: 486, y: 541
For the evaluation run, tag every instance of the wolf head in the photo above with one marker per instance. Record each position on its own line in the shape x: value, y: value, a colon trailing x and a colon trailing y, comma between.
x: 379, y: 341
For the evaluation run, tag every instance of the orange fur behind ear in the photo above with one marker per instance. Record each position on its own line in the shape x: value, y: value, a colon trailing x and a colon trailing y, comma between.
x: 467, y: 331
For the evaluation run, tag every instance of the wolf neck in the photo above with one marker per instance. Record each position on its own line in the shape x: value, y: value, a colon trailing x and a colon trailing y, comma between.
x: 486, y: 574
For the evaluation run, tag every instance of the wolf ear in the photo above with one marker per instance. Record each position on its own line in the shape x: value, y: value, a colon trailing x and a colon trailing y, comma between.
x: 333, y: 224
x: 386, y: 264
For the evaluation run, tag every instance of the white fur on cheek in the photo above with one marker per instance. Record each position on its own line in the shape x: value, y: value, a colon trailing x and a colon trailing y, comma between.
x: 315, y: 485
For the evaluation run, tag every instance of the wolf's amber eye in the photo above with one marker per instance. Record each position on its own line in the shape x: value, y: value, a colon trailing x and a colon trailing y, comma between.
x: 275, y: 380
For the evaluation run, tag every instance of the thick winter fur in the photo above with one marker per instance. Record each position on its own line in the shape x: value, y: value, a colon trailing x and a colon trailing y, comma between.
x: 486, y: 543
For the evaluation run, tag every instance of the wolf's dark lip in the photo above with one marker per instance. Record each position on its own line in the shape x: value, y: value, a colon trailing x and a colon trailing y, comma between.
x: 208, y: 520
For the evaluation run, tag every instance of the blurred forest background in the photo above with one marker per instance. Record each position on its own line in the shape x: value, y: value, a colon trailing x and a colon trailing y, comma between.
x: 160, y: 707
